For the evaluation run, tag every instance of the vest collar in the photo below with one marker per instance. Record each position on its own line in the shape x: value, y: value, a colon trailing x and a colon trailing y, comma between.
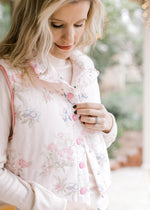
x: 83, y: 70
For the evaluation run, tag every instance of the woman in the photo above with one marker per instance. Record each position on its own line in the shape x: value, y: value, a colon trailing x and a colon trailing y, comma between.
x: 54, y: 130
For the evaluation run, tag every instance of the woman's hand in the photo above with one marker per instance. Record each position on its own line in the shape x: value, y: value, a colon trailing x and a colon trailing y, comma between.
x: 94, y: 116
x: 79, y: 206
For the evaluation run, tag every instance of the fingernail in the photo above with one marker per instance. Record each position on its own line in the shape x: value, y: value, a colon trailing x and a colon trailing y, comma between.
x: 75, y: 112
x: 75, y: 106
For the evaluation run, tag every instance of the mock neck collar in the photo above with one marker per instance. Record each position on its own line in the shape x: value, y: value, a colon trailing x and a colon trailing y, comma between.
x: 57, y: 61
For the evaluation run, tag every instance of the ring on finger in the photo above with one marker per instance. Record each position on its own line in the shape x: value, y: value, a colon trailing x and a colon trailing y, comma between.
x: 96, y: 120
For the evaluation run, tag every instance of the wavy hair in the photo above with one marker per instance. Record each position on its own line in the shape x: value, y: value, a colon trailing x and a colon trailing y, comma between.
x: 30, y: 35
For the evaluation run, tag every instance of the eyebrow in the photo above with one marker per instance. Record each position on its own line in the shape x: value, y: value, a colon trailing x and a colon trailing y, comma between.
x: 55, y: 19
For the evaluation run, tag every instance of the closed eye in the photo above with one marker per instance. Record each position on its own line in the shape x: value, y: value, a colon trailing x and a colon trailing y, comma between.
x: 56, y: 26
x: 78, y: 25
x: 62, y: 25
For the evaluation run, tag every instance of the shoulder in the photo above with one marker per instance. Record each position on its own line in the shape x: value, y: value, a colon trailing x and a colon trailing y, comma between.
x: 5, y: 66
x: 4, y: 69
x: 85, y: 71
x: 4, y: 80
x: 9, y: 73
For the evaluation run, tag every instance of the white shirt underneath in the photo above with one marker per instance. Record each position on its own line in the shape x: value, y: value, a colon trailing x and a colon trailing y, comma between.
x: 63, y: 68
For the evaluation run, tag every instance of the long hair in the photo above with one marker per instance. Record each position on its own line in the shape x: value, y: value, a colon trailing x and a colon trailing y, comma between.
x: 30, y: 35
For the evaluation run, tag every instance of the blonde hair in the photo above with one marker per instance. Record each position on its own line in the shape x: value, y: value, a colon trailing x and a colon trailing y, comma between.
x: 30, y: 35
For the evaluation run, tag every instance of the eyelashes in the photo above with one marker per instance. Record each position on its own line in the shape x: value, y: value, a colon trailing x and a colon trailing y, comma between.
x: 56, y: 26
x: 78, y: 25
x: 62, y: 25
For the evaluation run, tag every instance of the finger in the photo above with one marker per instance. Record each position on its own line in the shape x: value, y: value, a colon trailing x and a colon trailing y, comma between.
x: 89, y: 105
x: 96, y: 127
x: 91, y: 112
x: 88, y: 119
x: 92, y: 120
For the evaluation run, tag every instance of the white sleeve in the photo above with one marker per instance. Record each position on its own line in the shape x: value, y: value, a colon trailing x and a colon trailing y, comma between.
x: 94, y: 96
x: 14, y: 190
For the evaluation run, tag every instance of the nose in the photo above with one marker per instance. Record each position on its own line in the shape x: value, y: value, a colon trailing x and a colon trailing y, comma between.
x: 69, y: 36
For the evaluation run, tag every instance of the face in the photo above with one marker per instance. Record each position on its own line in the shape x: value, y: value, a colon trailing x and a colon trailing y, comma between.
x: 67, y: 26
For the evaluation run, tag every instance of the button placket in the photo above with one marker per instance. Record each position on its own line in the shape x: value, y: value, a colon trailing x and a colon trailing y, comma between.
x: 81, y: 167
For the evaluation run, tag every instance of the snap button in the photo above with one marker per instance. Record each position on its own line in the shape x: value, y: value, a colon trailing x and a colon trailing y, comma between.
x: 83, y: 191
x: 81, y: 165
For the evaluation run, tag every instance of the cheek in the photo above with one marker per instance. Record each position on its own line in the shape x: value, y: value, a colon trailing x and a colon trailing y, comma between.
x: 79, y: 34
x: 56, y: 35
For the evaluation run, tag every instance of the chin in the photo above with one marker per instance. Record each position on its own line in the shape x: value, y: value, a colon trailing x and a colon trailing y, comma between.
x: 62, y: 54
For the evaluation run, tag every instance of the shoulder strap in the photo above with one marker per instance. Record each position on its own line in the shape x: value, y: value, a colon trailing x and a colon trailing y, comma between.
x: 12, y: 99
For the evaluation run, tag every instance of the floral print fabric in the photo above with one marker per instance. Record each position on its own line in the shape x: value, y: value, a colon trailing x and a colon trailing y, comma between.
x: 50, y: 147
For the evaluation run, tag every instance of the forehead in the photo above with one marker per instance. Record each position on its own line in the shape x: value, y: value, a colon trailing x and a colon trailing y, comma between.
x: 72, y: 11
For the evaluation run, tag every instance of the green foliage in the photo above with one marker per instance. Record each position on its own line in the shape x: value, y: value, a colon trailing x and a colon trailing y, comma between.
x: 115, y: 146
x: 5, y: 18
x: 127, y: 108
x: 126, y: 104
x: 120, y: 36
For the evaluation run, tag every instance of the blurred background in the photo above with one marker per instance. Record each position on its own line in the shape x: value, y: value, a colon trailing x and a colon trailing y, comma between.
x: 122, y: 57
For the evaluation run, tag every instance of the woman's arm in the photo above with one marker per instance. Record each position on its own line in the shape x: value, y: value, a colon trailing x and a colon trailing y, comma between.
x: 14, y: 190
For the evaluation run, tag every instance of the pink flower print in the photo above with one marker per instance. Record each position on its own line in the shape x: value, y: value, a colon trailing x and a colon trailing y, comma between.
x: 67, y: 153
x: 83, y: 191
x: 23, y: 163
x: 52, y: 147
x: 79, y: 141
x: 74, y: 117
x: 29, y: 116
x: 70, y: 96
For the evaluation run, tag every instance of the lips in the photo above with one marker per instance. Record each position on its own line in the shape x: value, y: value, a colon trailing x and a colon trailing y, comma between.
x: 64, y: 47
